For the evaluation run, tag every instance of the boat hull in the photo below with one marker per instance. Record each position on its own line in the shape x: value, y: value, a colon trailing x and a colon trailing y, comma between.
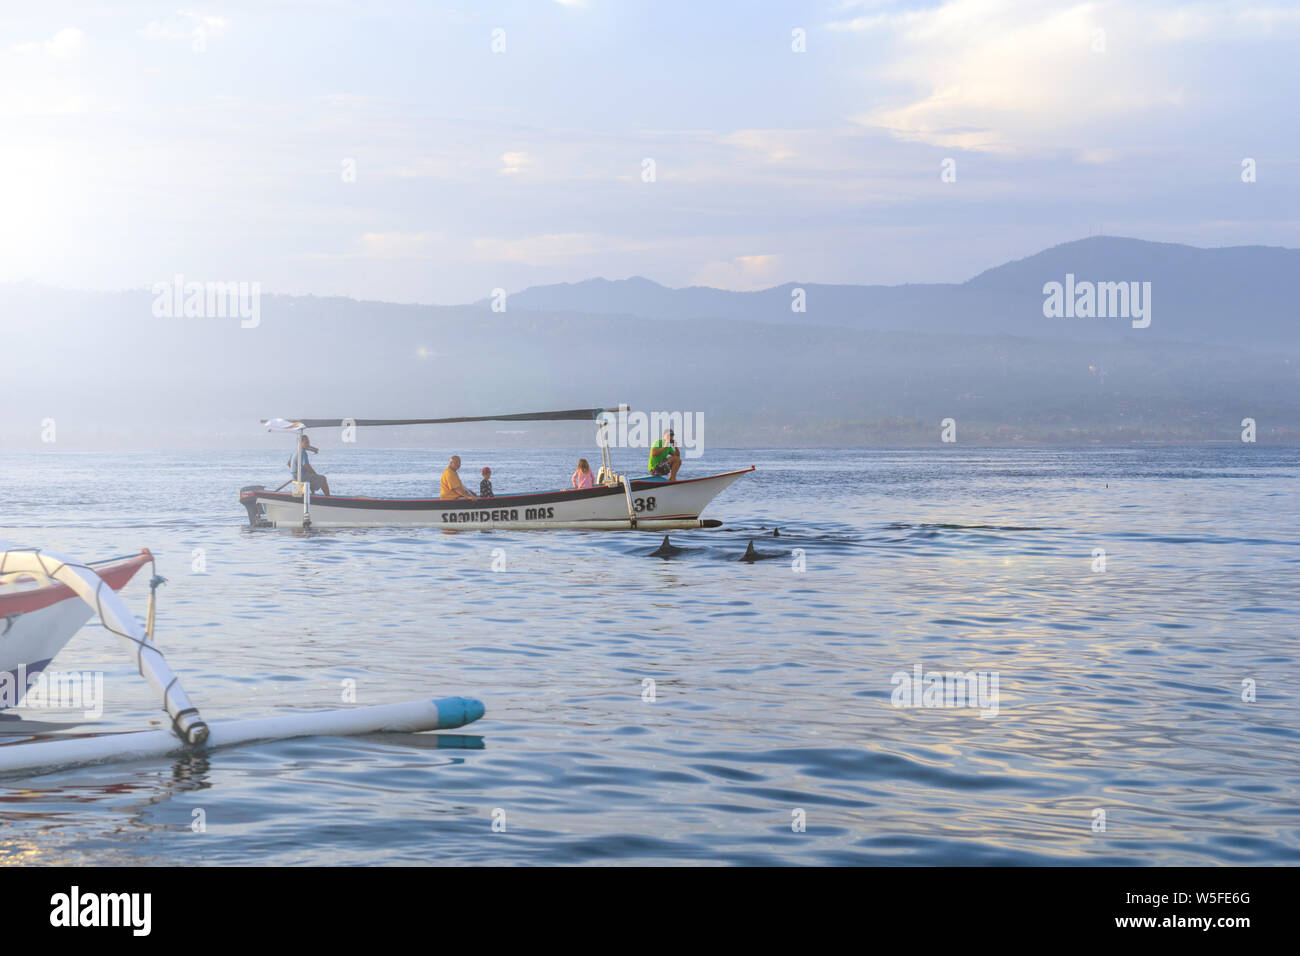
x: 37, y: 621
x: 656, y: 505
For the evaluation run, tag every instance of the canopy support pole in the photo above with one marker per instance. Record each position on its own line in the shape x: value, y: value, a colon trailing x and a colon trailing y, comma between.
x: 627, y: 494
x: 306, y: 492
x: 605, y: 475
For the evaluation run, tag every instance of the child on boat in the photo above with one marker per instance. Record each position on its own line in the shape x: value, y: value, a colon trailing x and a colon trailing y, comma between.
x: 582, y: 478
x: 485, y: 486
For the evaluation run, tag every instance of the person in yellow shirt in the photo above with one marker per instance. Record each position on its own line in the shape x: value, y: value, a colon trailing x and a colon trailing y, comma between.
x: 450, y: 486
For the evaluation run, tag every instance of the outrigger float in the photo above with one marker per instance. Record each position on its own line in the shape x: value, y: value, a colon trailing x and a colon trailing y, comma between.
x: 46, y: 598
x: 615, y: 502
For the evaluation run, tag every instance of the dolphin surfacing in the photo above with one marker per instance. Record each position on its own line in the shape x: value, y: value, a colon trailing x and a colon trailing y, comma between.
x: 666, y: 550
x: 751, y: 554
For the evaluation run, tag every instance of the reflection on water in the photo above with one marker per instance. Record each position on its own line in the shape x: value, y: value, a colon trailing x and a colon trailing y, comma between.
x: 681, y: 707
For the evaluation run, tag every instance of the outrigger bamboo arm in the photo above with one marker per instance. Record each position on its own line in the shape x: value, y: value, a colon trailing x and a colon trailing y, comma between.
x: 409, y: 717
x: 119, y: 621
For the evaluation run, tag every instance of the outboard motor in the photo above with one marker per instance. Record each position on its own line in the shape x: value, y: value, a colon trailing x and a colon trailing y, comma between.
x: 256, y: 511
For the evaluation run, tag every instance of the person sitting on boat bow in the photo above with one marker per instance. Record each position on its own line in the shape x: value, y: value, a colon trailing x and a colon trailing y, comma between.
x: 450, y: 486
x: 665, y: 459
x: 310, y: 475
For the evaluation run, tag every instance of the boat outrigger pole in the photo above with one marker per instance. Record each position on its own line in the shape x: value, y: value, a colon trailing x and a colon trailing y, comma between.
x: 189, y: 733
x: 119, y: 621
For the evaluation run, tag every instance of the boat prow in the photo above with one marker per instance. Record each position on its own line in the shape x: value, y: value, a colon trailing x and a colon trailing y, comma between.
x: 39, y: 615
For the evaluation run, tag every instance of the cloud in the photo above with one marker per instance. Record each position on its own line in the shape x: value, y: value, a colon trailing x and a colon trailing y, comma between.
x: 194, y: 27
x: 67, y: 44
x: 390, y: 246
x: 540, y: 250
x: 514, y: 163
x: 1096, y: 157
x: 774, y: 145
x: 742, y: 274
x: 1016, y: 76
x: 40, y: 78
x: 537, y: 250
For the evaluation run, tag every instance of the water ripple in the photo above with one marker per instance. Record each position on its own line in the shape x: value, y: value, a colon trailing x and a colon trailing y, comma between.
x: 1134, y: 604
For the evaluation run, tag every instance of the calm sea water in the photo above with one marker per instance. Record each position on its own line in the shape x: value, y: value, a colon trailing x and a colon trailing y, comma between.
x: 1119, y: 690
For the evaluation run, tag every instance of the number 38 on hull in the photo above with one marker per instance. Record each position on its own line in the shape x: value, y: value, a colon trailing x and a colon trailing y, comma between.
x: 645, y: 504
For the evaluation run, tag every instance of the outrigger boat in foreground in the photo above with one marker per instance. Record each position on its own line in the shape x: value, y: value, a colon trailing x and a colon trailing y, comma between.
x: 615, y: 502
x: 45, y: 599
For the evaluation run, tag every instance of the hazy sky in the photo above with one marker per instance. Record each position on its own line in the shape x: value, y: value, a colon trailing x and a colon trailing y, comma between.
x: 142, y: 140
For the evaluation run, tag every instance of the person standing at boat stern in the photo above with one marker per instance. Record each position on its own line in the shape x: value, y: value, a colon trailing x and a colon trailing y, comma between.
x: 450, y: 486
x: 665, y: 458
x: 310, y: 475
x: 485, y: 486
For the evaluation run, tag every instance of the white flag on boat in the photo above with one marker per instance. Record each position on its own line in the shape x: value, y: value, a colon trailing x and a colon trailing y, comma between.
x: 281, y: 425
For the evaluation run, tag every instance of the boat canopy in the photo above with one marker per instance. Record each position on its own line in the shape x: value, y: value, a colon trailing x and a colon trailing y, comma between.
x: 566, y: 415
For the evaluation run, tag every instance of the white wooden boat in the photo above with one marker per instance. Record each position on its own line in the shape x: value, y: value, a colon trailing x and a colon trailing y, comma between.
x: 656, y: 505
x: 615, y: 502
x: 45, y: 598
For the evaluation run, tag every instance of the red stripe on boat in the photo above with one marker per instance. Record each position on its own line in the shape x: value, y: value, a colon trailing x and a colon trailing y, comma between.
x: 116, y: 575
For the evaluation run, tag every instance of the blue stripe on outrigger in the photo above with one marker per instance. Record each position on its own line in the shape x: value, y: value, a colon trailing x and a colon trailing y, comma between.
x: 458, y: 711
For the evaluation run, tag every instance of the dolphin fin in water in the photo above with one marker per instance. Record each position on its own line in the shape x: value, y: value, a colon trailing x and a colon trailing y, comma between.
x: 665, y: 550
x: 751, y: 554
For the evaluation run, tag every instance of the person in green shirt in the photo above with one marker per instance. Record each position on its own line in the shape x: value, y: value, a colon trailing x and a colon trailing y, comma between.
x: 665, y: 459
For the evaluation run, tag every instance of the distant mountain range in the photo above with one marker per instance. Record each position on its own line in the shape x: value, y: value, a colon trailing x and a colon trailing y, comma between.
x: 1245, y: 296
x: 864, y: 364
